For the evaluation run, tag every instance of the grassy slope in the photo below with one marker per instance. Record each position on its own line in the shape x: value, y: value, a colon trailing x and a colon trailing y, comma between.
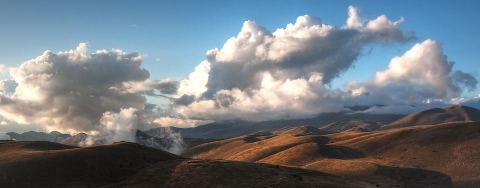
x: 47, y: 164
x: 436, y: 116
x: 416, y: 155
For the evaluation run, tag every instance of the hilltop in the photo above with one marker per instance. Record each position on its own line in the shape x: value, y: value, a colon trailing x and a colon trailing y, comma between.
x: 437, y: 115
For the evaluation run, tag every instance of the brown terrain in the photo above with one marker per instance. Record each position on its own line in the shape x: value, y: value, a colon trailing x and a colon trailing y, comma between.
x: 230, y: 129
x: 419, y: 150
x: 418, y: 156
x: 437, y: 115
x: 48, y: 164
x: 351, y: 125
x: 300, y: 130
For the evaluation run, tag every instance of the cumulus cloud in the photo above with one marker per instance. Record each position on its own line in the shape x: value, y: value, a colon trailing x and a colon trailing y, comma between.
x: 300, y: 49
x: 102, y: 93
x: 196, y: 83
x: 422, y: 73
x: 384, y: 30
x: 69, y: 91
x: 275, y: 100
x: 260, y: 75
x: 256, y: 75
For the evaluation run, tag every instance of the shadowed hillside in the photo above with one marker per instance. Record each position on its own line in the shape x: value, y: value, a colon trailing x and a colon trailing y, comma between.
x: 410, y: 156
x: 47, y: 164
x: 219, y: 173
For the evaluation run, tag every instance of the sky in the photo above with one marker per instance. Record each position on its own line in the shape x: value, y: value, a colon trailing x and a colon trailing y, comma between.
x: 76, y: 66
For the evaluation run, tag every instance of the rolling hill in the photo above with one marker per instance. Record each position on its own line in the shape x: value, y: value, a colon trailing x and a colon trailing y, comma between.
x: 351, y: 125
x: 300, y: 130
x: 437, y: 115
x: 47, y: 164
x: 329, y: 150
x: 412, y: 156
x: 219, y: 173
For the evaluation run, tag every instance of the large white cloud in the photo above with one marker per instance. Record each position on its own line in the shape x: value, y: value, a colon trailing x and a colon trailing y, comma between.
x: 422, y: 73
x: 71, y: 91
x: 260, y: 75
x: 297, y: 51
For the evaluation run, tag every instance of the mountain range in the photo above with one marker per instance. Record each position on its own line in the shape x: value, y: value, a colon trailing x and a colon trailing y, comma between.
x: 325, y: 123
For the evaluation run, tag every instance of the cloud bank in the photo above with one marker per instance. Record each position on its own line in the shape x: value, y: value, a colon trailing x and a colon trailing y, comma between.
x: 256, y: 75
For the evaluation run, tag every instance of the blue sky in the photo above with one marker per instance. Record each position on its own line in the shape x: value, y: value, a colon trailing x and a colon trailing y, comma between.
x: 173, y: 38
x: 178, y: 33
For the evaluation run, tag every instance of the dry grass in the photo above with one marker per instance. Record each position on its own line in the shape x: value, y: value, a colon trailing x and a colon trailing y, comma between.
x: 47, y: 164
x: 300, y: 130
x: 436, y: 116
x: 414, y: 156
x: 218, y: 173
